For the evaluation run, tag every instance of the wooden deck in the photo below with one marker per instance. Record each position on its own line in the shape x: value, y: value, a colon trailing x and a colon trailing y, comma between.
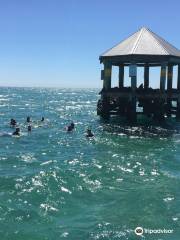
x: 174, y: 94
x: 150, y: 102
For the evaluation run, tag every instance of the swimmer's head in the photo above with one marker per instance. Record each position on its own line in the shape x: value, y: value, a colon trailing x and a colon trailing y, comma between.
x: 28, y: 119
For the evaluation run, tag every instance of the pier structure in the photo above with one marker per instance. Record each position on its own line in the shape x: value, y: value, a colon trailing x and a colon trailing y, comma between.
x: 144, y: 49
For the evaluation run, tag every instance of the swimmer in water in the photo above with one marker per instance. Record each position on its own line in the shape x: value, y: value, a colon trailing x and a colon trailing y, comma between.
x: 13, y: 122
x: 29, y: 128
x: 42, y: 119
x: 89, y: 133
x: 69, y: 128
x: 28, y: 120
x: 17, y: 132
x: 72, y: 125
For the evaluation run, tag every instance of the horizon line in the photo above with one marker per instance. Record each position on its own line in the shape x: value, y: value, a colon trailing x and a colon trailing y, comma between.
x: 53, y: 87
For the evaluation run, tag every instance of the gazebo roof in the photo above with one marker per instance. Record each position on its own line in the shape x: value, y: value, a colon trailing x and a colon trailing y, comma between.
x: 143, y: 43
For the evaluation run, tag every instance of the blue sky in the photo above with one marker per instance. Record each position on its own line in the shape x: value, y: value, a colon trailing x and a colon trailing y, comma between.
x: 57, y: 43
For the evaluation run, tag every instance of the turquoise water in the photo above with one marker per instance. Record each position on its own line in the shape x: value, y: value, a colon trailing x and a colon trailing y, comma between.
x: 58, y: 185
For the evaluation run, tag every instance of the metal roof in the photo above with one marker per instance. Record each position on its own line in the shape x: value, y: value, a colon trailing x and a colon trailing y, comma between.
x: 143, y: 42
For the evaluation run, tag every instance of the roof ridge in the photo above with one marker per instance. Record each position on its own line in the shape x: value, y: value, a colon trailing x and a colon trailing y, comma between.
x: 157, y: 41
x: 166, y: 42
x: 137, y: 41
x: 115, y: 45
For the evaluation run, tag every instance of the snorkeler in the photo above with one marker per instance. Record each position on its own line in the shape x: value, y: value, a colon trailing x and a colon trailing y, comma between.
x: 72, y: 125
x: 69, y: 128
x: 28, y: 120
x: 13, y: 122
x: 29, y: 128
x: 17, y: 132
x: 89, y: 133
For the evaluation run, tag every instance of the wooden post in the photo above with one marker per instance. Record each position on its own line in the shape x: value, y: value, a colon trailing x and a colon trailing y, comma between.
x: 107, y: 75
x: 170, y: 78
x: 169, y: 89
x: 133, y: 75
x: 105, y: 112
x: 178, y: 78
x: 133, y: 83
x: 121, y: 76
x: 178, y: 88
x: 146, y: 76
x: 159, y: 103
x: 163, y: 77
x: 147, y: 102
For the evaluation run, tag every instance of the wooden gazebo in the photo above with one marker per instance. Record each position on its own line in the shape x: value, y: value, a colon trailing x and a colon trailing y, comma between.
x: 142, y: 49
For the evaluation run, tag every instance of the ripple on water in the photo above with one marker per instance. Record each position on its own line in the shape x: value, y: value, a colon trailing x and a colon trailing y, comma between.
x: 83, y: 189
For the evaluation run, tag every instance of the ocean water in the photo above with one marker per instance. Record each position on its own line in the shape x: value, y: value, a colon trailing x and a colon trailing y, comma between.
x: 58, y: 185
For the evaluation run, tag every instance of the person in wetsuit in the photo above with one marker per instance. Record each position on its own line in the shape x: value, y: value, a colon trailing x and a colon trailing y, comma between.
x: 42, y: 119
x: 72, y: 125
x: 28, y: 120
x: 89, y: 133
x: 13, y: 122
x: 69, y: 128
x: 17, y: 132
x: 29, y: 128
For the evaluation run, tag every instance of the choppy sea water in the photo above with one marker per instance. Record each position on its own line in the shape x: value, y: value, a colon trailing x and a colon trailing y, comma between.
x: 58, y: 185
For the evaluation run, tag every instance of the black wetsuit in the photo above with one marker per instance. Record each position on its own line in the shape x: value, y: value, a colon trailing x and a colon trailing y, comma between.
x: 13, y: 122
x: 17, y: 133
x: 69, y: 128
x: 72, y: 125
x: 89, y: 134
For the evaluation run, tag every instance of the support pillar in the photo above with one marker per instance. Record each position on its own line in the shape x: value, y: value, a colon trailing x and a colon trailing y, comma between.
x: 133, y: 83
x: 170, y: 78
x: 146, y: 76
x: 121, y: 76
x: 178, y: 88
x: 178, y: 79
x: 105, y: 113
x: 121, y: 102
x: 163, y: 78
x: 132, y: 105
x: 133, y: 86
x: 146, y: 103
x: 159, y: 103
x: 169, y: 89
x: 107, y: 75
